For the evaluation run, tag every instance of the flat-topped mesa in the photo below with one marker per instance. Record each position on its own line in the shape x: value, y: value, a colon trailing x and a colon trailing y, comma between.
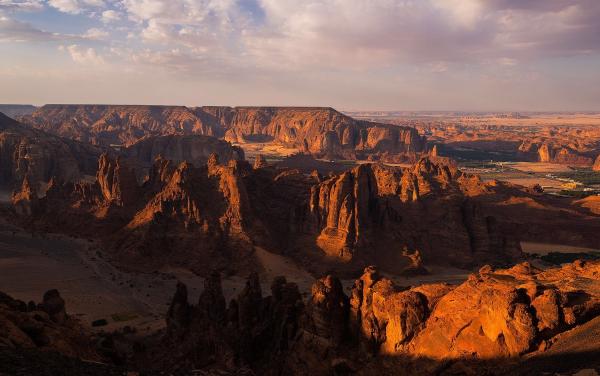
x: 369, y: 210
x: 116, y: 124
x: 320, y: 131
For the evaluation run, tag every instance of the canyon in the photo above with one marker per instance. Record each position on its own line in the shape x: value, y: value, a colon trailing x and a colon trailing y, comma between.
x: 367, y: 251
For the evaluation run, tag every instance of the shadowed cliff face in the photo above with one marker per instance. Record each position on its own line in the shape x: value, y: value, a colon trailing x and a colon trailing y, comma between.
x: 496, y: 316
x: 402, y: 218
x: 38, y: 156
x: 320, y: 131
x: 374, y: 212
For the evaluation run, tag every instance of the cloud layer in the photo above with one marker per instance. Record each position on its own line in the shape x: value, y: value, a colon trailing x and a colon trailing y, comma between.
x: 489, y: 41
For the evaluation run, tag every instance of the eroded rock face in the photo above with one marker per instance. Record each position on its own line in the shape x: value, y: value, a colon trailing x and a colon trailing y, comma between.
x: 504, y: 313
x: 374, y: 209
x: 39, y: 156
x: 117, y: 125
x: 45, y: 326
x: 253, y: 331
x: 194, y: 149
x: 25, y: 201
x: 117, y: 181
x: 199, y: 215
x: 596, y: 166
x: 328, y: 310
x: 320, y: 131
x: 494, y: 315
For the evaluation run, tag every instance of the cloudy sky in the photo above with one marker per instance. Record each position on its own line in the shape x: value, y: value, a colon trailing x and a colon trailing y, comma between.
x: 350, y: 54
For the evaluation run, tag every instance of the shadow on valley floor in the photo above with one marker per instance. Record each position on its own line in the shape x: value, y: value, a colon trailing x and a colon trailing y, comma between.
x: 20, y: 362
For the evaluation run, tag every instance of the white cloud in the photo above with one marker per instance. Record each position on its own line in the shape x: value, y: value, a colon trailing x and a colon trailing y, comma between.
x: 84, y: 56
x: 110, y: 15
x: 12, y: 30
x: 76, y: 6
x: 96, y: 34
x: 22, y: 5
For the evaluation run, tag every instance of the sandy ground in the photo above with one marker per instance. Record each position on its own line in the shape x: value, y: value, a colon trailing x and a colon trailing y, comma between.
x: 539, y: 167
x: 270, y: 151
x: 94, y: 289
x: 545, y: 248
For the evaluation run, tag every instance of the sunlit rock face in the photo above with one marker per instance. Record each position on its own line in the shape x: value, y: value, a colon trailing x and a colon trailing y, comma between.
x: 316, y: 130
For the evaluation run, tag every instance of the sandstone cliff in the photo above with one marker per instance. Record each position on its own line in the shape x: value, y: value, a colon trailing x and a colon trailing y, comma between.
x: 39, y: 156
x: 120, y: 125
x: 320, y: 131
x: 194, y: 149
x: 373, y: 212
x: 494, y: 323
x: 597, y: 164
x: 181, y: 213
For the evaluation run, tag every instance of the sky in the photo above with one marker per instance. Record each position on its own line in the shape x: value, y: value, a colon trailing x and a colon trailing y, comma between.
x: 468, y: 55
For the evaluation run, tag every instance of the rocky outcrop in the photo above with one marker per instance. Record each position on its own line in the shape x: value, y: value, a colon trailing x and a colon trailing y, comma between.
x: 316, y: 130
x: 16, y: 110
x: 596, y: 166
x: 341, y: 208
x: 25, y: 200
x: 39, y: 156
x: 376, y: 211
x: 45, y: 326
x: 260, y: 161
x: 508, y: 312
x: 561, y: 154
x: 544, y: 153
x: 194, y: 149
x: 117, y: 125
x: 253, y: 330
x: 495, y: 316
x: 117, y: 181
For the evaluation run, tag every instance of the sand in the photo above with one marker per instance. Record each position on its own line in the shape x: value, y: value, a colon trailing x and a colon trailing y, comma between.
x: 539, y: 167
x: 545, y: 248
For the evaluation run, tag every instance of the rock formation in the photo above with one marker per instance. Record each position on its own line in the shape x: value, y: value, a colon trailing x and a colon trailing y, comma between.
x: 253, y: 331
x: 496, y: 316
x: 16, y: 110
x: 181, y: 213
x: 260, y: 161
x: 370, y: 211
x: 597, y: 164
x: 117, y: 181
x: 194, y: 149
x: 39, y: 156
x: 319, y: 131
x: 45, y: 326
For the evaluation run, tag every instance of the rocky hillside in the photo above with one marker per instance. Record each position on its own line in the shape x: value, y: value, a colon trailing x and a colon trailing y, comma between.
x: 45, y: 326
x: 497, y: 322
x: 16, y: 110
x: 194, y: 149
x: 212, y: 215
x: 321, y: 131
x: 39, y: 156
